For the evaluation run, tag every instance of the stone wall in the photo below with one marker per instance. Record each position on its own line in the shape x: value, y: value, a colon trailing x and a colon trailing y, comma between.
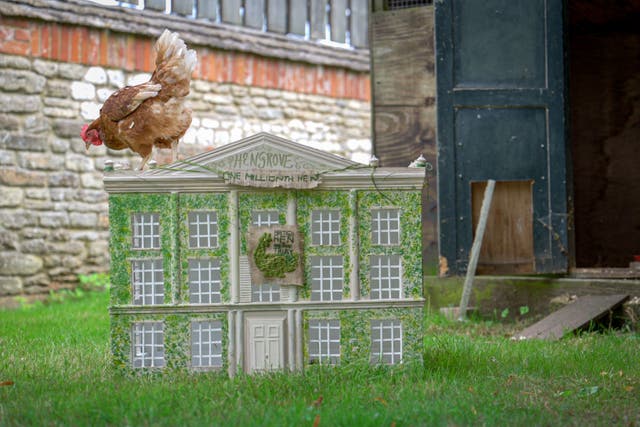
x: 53, y: 209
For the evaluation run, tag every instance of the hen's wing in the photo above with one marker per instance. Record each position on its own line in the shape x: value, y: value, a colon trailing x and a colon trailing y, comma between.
x: 127, y: 100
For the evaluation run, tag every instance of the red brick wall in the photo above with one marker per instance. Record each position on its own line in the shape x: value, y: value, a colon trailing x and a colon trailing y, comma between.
x: 88, y: 46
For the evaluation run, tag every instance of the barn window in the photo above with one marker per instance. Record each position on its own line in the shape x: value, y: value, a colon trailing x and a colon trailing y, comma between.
x: 206, y: 344
x: 324, y: 341
x: 386, y: 274
x: 265, y: 218
x: 325, y: 227
x: 265, y: 293
x: 148, y: 345
x: 146, y: 231
x: 203, y: 229
x: 385, y: 227
x: 204, y: 281
x: 148, y: 281
x: 386, y: 341
x: 326, y: 278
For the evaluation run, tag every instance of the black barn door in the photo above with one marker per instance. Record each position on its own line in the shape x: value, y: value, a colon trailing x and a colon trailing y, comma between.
x: 500, y: 107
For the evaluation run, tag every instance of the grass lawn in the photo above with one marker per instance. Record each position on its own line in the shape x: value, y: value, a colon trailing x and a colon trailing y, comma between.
x: 55, y: 370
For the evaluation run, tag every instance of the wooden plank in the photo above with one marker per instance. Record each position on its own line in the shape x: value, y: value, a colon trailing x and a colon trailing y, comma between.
x: 508, y: 245
x: 207, y: 9
x: 359, y: 27
x: 155, y: 5
x: 576, y: 315
x: 120, y: 19
x: 182, y: 7
x: 605, y: 273
x: 338, y: 20
x: 402, y: 133
x: 254, y: 14
x: 231, y: 12
x: 475, y: 249
x: 277, y: 16
x: 318, y: 20
x: 402, y: 51
x: 298, y: 13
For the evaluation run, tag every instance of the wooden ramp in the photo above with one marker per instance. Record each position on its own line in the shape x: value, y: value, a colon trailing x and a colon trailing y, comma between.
x: 573, y: 316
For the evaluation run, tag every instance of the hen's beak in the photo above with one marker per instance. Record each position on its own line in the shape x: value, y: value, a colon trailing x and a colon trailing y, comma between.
x: 87, y: 144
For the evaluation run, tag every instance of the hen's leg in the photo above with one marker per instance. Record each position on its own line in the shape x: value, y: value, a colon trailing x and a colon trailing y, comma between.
x: 174, y: 151
x: 145, y: 159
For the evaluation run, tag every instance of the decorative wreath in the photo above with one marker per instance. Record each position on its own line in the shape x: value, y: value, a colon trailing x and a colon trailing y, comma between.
x: 273, y: 265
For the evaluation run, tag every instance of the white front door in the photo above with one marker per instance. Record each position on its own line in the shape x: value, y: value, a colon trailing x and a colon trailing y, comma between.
x: 265, y: 341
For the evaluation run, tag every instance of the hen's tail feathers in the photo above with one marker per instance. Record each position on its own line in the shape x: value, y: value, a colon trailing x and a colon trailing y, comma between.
x: 174, y: 62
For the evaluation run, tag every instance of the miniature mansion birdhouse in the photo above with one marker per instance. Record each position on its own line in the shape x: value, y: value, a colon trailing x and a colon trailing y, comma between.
x: 265, y: 254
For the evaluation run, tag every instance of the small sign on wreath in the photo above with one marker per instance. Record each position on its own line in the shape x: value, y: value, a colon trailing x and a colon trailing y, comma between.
x: 275, y: 255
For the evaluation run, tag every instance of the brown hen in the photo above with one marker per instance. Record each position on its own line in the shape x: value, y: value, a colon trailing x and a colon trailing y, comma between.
x: 151, y: 114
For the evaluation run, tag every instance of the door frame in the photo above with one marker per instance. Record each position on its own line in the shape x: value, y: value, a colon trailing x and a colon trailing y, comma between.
x: 265, y: 317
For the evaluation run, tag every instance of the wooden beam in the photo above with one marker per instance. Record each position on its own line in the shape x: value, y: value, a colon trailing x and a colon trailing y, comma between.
x: 475, y: 248
x: 207, y: 34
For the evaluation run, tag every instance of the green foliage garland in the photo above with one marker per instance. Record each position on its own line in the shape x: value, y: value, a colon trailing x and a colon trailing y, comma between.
x: 273, y: 265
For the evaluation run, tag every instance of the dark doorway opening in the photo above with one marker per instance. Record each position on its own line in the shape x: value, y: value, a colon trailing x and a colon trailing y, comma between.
x: 603, y: 47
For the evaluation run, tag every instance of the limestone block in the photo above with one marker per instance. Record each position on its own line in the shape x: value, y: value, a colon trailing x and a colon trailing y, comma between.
x: 83, y: 220
x: 10, y: 61
x: 78, y: 163
x: 137, y: 79
x: 58, y: 88
x: 9, y: 122
x: 16, y: 219
x: 21, y: 80
x: 38, y: 280
x: 40, y: 161
x: 23, y: 141
x: 35, y: 233
x: 7, y: 157
x: 10, y: 196
x: 59, y: 145
x: 116, y: 78
x: 218, y: 99
x: 91, y: 180
x: 36, y: 124
x: 71, y: 71
x: 14, y: 263
x: 34, y: 246
x: 10, y: 285
x: 54, y: 219
x: 59, y: 112
x: 21, y: 177
x: 96, y: 75
x: 104, y: 94
x: 83, y: 91
x: 66, y: 128
x: 46, y: 68
x: 64, y: 179
x: 17, y: 103
x: 90, y: 110
x: 8, y: 239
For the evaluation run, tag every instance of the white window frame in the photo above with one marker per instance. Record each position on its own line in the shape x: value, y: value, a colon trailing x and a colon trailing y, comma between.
x: 147, y: 292
x: 206, y: 229
x: 265, y: 218
x: 327, y: 287
x: 145, y: 230
x: 147, y: 347
x: 386, y: 349
x: 324, y: 341
x: 265, y: 293
x: 385, y: 226
x: 205, y: 287
x: 325, y: 227
x: 385, y: 277
x: 206, y: 344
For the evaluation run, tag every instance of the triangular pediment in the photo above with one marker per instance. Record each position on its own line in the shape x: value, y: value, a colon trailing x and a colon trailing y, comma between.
x: 262, y: 151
